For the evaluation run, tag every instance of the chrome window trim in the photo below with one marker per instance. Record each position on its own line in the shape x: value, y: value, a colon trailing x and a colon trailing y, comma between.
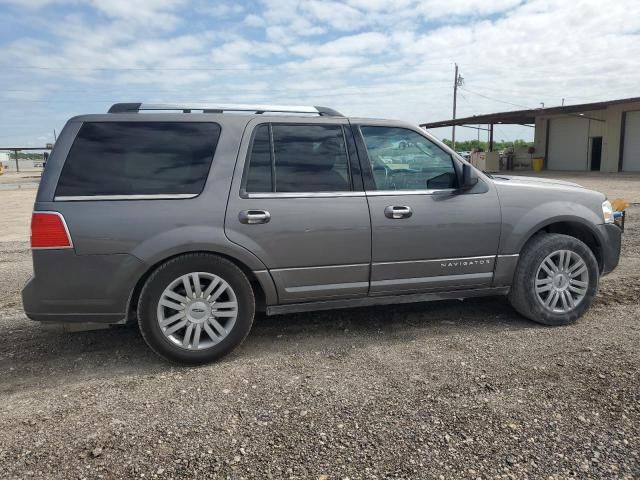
x: 304, y: 194
x: 368, y: 193
x: 66, y: 228
x: 159, y: 196
x: 383, y: 193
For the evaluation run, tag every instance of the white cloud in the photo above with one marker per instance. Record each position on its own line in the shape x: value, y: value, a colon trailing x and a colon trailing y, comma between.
x: 220, y: 9
x: 240, y: 51
x: 370, y: 43
x: 151, y: 12
x: 364, y: 57
x: 139, y: 11
x: 253, y: 20
x: 466, y: 8
x: 32, y: 4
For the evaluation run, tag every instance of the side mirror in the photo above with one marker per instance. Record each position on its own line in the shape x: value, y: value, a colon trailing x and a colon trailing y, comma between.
x: 469, y: 177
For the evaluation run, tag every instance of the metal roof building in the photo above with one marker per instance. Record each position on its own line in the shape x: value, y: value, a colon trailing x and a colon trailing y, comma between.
x: 600, y: 136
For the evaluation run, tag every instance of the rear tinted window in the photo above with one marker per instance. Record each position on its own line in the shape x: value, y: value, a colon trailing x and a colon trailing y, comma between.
x: 259, y: 175
x: 303, y: 158
x: 310, y: 158
x: 139, y: 158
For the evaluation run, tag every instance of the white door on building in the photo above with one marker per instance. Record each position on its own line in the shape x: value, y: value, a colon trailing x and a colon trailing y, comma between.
x: 631, y: 152
x: 568, y: 144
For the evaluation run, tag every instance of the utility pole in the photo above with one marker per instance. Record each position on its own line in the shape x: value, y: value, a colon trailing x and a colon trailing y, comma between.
x: 457, y: 82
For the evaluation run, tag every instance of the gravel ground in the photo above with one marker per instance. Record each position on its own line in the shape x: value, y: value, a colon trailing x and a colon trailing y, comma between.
x: 13, y: 178
x: 435, y: 390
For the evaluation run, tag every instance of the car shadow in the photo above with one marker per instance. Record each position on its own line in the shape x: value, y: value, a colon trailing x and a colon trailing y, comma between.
x: 36, y: 356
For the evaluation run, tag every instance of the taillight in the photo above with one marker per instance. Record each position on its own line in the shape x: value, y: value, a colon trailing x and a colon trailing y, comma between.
x: 49, y: 230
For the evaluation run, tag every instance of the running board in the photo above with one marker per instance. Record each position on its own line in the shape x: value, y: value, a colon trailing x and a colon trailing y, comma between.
x: 384, y: 300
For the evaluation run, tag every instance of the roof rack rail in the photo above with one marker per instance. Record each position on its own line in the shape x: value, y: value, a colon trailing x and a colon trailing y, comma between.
x: 221, y: 108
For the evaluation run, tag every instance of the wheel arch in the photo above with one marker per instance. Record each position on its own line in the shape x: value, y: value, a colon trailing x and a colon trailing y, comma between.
x: 261, y: 281
x: 572, y: 227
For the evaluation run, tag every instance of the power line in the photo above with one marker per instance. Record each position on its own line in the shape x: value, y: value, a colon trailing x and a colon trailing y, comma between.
x: 236, y: 68
x: 150, y: 68
x: 233, y: 92
x: 523, y: 93
x: 577, y: 115
x: 496, y: 99
x: 319, y: 94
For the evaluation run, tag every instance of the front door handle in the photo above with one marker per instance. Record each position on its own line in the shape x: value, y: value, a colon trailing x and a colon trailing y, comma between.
x: 252, y: 217
x: 398, y: 211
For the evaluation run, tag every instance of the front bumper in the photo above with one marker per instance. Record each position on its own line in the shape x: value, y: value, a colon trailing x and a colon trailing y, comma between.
x: 611, y: 242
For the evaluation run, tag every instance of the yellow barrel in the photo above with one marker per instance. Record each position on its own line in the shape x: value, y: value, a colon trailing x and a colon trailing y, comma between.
x: 537, y: 164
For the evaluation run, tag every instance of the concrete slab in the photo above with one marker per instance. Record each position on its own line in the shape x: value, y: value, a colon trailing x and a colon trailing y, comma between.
x: 16, y: 207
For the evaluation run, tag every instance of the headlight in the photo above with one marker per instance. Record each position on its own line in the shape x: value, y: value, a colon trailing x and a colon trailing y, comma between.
x: 607, y: 211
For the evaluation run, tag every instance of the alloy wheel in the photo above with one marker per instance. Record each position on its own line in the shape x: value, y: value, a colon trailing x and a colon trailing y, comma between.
x: 197, y: 310
x: 562, y: 281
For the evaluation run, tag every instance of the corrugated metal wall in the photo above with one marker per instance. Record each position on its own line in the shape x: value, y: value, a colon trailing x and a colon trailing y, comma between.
x: 610, y: 130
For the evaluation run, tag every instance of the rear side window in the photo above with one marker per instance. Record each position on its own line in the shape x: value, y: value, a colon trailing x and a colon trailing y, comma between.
x: 299, y: 159
x: 260, y: 175
x: 139, y: 158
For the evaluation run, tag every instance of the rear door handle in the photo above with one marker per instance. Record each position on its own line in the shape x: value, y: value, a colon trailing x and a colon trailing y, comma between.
x: 252, y: 217
x: 398, y: 211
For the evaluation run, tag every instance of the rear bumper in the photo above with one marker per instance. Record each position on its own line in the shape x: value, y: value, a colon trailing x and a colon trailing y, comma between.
x: 611, y: 241
x: 67, y: 287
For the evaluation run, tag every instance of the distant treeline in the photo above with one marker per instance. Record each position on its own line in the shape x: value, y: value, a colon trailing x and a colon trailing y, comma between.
x: 468, y: 145
x: 26, y: 156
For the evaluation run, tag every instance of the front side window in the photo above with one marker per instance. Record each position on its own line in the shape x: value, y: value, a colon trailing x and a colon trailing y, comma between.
x: 139, y: 158
x: 402, y: 159
x: 302, y: 159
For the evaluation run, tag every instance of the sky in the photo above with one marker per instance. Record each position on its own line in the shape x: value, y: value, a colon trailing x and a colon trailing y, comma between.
x: 386, y: 59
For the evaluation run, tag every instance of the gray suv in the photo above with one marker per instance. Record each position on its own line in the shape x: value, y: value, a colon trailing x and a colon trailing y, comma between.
x: 188, y: 219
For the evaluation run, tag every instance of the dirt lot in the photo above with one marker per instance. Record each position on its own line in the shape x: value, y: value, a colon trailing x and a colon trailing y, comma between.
x: 437, y: 390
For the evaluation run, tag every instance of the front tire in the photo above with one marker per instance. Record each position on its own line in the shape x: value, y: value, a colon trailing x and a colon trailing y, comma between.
x: 556, y: 279
x: 195, y: 308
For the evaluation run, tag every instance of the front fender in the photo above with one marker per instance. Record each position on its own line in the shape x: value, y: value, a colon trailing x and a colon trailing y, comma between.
x: 520, y: 224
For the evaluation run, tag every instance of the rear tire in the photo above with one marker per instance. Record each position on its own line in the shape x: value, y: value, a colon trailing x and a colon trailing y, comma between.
x: 556, y: 279
x: 195, y: 308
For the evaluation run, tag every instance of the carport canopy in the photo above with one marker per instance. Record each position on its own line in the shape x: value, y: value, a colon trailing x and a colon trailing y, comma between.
x: 524, y: 117
x: 519, y: 117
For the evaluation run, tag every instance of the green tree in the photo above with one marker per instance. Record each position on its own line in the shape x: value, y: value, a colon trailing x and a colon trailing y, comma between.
x: 468, y: 145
